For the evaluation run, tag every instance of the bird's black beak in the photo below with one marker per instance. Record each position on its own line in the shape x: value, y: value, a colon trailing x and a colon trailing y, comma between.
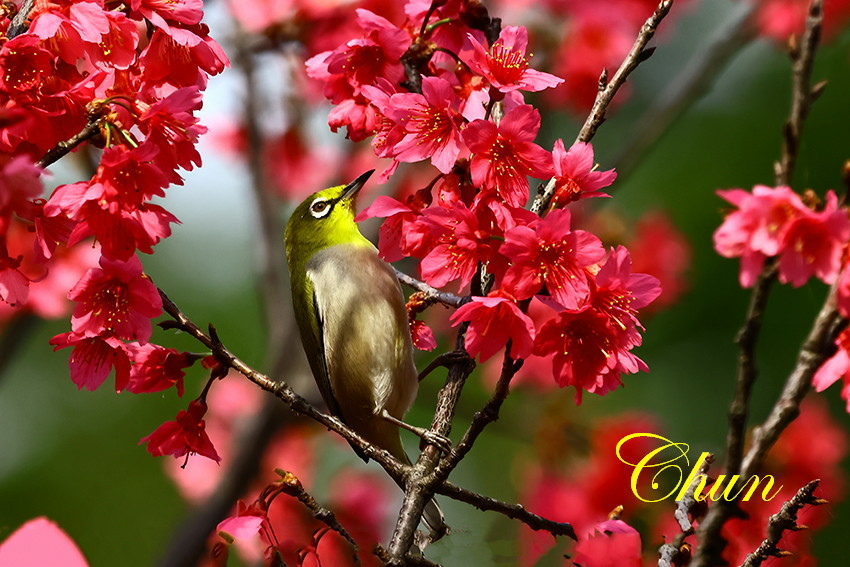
x: 352, y: 188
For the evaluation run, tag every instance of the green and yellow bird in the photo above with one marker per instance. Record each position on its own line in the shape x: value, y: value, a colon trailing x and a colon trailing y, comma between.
x: 353, y: 323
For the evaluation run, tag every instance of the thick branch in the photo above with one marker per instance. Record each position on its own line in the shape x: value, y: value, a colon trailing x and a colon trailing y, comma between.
x: 407, y: 560
x: 421, y: 482
x: 607, y: 90
x: 487, y: 415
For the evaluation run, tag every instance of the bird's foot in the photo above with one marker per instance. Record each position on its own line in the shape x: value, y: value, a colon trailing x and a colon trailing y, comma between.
x: 441, y: 442
x: 428, y: 437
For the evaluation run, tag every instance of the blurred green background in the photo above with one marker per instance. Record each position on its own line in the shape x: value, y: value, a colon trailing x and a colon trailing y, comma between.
x: 73, y: 456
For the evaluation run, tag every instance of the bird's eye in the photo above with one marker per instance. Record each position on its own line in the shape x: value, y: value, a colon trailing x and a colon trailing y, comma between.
x: 320, y: 208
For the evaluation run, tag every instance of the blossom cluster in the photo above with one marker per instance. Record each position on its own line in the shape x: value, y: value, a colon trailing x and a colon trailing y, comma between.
x: 129, y: 78
x: 469, y: 119
x: 808, y: 239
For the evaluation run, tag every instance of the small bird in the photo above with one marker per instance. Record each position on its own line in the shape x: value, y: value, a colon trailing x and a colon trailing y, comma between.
x: 353, y: 324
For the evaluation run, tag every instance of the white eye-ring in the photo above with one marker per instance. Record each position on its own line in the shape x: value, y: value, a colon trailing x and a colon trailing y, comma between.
x: 320, y: 208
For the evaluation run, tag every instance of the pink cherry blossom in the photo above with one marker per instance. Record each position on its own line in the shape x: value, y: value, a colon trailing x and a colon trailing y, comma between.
x: 116, y: 298
x: 93, y: 359
x: 493, y: 321
x: 575, y: 174
x: 813, y: 244
x: 156, y: 368
x: 14, y: 285
x: 460, y: 243
x: 241, y: 527
x: 505, y: 155
x: 551, y: 254
x: 422, y: 335
x: 505, y: 63
x: 40, y: 542
x: 835, y: 368
x: 613, y: 543
x: 362, y: 61
x: 184, y: 436
x: 401, y: 234
x: 756, y: 230
x: 430, y: 124
x: 619, y: 293
x: 589, y: 352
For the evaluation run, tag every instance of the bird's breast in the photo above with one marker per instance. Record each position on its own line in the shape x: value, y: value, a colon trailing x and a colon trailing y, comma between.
x: 365, y: 331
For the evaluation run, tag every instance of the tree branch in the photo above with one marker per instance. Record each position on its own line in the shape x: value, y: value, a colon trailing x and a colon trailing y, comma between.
x: 488, y: 414
x: 431, y: 293
x: 782, y: 521
x: 407, y: 560
x: 802, y: 93
x: 421, y: 482
x: 694, y: 82
x: 64, y: 148
x: 818, y: 343
x: 607, y: 90
x: 19, y: 23
x: 513, y: 511
x: 291, y: 485
x: 747, y: 340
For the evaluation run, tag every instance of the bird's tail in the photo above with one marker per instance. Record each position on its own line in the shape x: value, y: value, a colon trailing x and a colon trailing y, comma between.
x: 435, y: 520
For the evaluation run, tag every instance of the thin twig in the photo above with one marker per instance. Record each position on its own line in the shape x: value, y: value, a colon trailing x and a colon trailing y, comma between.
x: 818, y: 343
x: 513, y: 511
x: 782, y: 521
x: 64, y: 148
x: 802, y: 92
x: 432, y: 293
x: 694, y: 82
x: 291, y: 485
x: 607, y: 90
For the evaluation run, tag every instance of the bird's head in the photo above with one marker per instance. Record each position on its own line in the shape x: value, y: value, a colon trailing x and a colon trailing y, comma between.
x: 324, y: 219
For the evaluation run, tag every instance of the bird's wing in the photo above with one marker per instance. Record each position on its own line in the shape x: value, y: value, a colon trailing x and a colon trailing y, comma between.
x: 319, y: 362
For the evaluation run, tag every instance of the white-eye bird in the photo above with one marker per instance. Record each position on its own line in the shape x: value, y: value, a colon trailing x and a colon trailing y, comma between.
x: 353, y: 323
